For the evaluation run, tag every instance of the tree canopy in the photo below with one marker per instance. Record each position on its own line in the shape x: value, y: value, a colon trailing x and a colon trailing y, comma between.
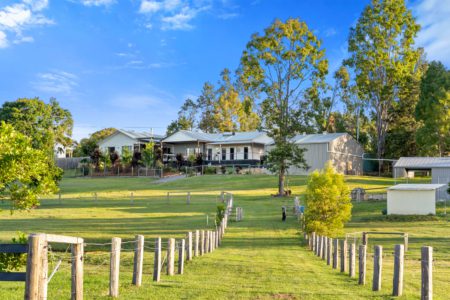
x: 285, y: 67
x: 24, y: 171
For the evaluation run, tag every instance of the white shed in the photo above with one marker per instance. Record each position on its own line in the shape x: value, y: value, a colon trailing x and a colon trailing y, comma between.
x: 412, y: 199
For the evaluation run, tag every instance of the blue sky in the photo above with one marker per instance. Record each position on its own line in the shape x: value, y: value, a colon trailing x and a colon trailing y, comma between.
x: 131, y: 63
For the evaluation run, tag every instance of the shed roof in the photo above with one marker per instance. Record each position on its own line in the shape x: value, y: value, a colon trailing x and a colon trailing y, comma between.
x: 416, y: 187
x: 423, y: 162
x: 317, y: 138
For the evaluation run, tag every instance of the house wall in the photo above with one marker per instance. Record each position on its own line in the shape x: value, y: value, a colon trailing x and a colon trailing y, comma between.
x: 346, y: 155
x: 185, y: 148
x: 316, y: 156
x: 411, y: 202
x: 117, y: 141
x: 255, y: 151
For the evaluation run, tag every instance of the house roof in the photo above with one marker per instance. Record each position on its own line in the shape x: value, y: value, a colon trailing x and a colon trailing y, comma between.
x: 218, y: 138
x: 423, y: 162
x: 415, y: 187
x: 143, y: 136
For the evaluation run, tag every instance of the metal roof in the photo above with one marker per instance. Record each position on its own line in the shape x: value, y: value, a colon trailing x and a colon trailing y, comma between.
x: 316, y: 138
x: 423, y: 162
x: 218, y: 138
x: 140, y: 135
x: 416, y: 187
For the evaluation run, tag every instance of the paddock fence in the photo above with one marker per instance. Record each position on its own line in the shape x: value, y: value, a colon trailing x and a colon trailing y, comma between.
x: 350, y: 256
x: 170, y: 257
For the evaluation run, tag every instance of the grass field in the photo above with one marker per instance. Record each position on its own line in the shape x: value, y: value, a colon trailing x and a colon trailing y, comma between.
x: 261, y: 257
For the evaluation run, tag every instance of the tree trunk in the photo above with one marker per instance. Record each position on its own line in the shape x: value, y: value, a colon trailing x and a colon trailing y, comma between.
x: 281, y: 178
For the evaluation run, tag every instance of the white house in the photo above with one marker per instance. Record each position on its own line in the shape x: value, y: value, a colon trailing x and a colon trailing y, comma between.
x: 345, y: 153
x: 217, y: 148
x: 132, y: 140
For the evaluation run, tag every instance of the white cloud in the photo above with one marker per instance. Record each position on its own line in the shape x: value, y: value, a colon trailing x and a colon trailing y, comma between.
x: 97, y: 2
x: 3, y: 40
x: 57, y: 82
x: 19, y: 17
x: 433, y: 16
x: 227, y: 16
x: 330, y: 32
x: 175, y: 14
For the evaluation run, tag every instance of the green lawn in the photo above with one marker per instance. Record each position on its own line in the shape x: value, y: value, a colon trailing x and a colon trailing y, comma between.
x: 261, y: 257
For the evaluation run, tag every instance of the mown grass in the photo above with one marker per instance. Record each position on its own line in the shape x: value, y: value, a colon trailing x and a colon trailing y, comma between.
x: 261, y: 257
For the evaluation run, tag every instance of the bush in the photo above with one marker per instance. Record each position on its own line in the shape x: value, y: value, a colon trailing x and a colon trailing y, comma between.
x: 223, y: 170
x: 328, y: 202
x: 209, y: 170
x: 220, y: 213
x: 13, y: 261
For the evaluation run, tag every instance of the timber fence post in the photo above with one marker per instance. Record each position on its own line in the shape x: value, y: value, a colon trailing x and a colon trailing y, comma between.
x: 377, y: 268
x: 399, y: 257
x: 114, y: 267
x: 181, y: 256
x: 427, y: 273
x: 362, y: 264
x: 343, y: 255
x: 77, y: 270
x: 196, y: 243
x: 335, y: 253
x: 157, y: 261
x: 352, y: 260
x: 138, y: 260
x: 171, y: 257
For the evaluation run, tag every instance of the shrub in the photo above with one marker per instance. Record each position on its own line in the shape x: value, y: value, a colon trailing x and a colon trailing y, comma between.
x: 220, y: 213
x: 13, y: 261
x: 209, y: 170
x: 328, y: 203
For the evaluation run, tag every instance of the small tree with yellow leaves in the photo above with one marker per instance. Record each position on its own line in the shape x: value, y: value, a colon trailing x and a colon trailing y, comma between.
x: 328, y: 203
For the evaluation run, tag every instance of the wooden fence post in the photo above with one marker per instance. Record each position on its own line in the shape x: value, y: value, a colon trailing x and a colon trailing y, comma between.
x: 33, y: 290
x: 114, y: 267
x: 313, y: 241
x: 365, y: 238
x: 181, y: 256
x: 377, y: 268
x: 335, y: 253
x: 405, y: 241
x: 329, y: 250
x: 344, y: 255
x: 207, y: 236
x: 189, y: 246
x: 77, y: 271
x: 157, y: 261
x: 196, y: 243
x: 217, y: 238
x: 138, y: 260
x: 319, y: 245
x: 43, y: 276
x: 171, y: 257
x: 213, y: 241
x: 362, y: 264
x: 202, y: 242
x: 325, y: 247
x: 352, y: 261
x: 427, y: 273
x: 399, y: 253
x: 188, y: 198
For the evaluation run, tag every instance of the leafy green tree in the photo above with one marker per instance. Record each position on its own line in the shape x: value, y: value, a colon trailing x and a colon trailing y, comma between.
x: 179, y: 124
x: 433, y: 111
x: 14, y: 261
x: 328, y: 203
x: 282, y: 67
x: 206, y: 105
x: 126, y: 157
x: 46, y: 124
x: 148, y: 154
x: 227, y: 105
x: 24, y: 171
x: 248, y: 119
x: 383, y: 58
x: 87, y: 146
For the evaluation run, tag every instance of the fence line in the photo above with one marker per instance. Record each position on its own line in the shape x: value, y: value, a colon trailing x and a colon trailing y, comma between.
x: 36, y: 277
x: 317, y: 244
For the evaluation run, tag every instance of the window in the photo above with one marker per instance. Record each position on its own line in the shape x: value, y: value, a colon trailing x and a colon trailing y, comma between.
x: 209, y: 154
x: 245, y: 152
x: 224, y: 154
x: 137, y: 147
x: 231, y: 153
x: 111, y: 149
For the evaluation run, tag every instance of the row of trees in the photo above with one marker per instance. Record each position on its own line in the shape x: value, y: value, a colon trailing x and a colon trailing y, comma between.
x: 392, y: 100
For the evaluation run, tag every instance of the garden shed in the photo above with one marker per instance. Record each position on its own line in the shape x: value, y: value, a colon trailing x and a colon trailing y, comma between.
x: 412, y: 199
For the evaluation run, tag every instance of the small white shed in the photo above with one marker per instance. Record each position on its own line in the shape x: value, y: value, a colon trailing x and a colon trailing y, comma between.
x: 412, y: 199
